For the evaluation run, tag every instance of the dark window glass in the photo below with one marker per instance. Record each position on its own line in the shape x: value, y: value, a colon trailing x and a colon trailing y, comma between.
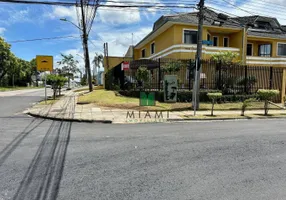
x: 264, y: 50
x: 215, y: 41
x: 225, y: 42
x: 143, y: 53
x: 152, y: 48
x: 249, y: 50
x: 281, y: 49
x: 208, y: 38
x: 190, y: 37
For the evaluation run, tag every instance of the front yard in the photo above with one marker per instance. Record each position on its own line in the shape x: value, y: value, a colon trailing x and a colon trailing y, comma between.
x: 106, y: 98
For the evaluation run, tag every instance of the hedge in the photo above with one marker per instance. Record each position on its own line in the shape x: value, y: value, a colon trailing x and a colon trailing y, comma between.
x: 183, y: 96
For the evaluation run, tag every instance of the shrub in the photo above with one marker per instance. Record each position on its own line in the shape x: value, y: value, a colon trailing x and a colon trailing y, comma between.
x: 214, y: 97
x: 227, y: 57
x: 245, y: 104
x: 266, y: 95
x: 142, y: 75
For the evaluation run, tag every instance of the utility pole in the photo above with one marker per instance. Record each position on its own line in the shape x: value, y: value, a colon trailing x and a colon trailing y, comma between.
x: 196, y: 85
x: 85, y: 46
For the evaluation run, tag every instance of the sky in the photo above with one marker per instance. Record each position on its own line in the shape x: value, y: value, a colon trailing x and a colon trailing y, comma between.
x: 112, y: 25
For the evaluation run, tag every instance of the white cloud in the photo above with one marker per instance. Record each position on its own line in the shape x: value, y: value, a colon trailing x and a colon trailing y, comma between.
x: 2, y: 30
x: 14, y: 15
x: 63, y: 12
x: 115, y: 15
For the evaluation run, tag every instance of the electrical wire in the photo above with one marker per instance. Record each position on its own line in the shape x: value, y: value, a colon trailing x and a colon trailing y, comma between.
x: 39, y: 39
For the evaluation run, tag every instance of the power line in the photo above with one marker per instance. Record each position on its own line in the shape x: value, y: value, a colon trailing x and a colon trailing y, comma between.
x: 38, y: 39
x: 62, y: 3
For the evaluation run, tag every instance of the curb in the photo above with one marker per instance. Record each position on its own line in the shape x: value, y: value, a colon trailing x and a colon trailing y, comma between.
x: 225, y: 119
x: 70, y: 120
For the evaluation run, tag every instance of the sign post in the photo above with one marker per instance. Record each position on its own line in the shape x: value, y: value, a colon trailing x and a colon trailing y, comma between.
x: 44, y: 64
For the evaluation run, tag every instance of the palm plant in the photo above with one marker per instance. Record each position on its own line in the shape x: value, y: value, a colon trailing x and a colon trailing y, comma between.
x: 97, y: 60
x: 69, y: 66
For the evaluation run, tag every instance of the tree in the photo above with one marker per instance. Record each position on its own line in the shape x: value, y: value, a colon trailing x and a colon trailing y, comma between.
x: 57, y: 82
x: 266, y: 96
x: 214, y: 97
x: 227, y: 57
x: 142, y: 76
x: 69, y: 67
x: 246, y: 103
x: 97, y: 60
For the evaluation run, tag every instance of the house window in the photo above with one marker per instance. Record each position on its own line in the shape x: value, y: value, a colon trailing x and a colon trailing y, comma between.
x: 190, y: 37
x: 208, y: 38
x: 215, y: 41
x: 226, y: 42
x: 143, y: 53
x: 153, y: 48
x: 249, y: 50
x: 281, y: 49
x: 264, y: 50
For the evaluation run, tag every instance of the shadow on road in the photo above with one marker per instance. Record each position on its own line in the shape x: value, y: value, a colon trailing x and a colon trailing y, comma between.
x: 42, y: 179
x: 6, y: 152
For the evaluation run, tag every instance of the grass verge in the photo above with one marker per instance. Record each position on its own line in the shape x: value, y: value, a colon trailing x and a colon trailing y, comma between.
x: 3, y: 89
x: 106, y: 98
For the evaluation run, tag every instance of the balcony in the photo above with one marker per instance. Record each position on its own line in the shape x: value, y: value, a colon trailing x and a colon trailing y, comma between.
x: 269, y: 61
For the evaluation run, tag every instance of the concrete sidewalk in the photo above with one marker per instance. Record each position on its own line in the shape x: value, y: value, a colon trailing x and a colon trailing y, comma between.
x: 67, y: 109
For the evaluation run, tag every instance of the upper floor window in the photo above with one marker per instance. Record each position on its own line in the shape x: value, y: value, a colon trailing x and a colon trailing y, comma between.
x: 264, y: 50
x: 249, y: 50
x: 152, y: 49
x: 190, y: 37
x: 215, y: 41
x: 281, y: 49
x: 226, y: 42
x: 263, y: 25
x: 143, y: 53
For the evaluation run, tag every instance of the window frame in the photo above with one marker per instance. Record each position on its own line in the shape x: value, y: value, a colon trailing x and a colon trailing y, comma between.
x: 183, y: 36
x: 227, y: 41
x: 277, y: 49
x: 251, y: 49
x: 151, y: 48
x: 217, y: 41
x: 144, y: 49
x: 270, y: 55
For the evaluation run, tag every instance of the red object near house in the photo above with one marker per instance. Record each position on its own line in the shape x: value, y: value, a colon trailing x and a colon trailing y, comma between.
x: 125, y: 65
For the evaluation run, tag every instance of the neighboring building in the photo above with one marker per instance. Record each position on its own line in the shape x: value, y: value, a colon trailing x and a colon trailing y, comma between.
x: 258, y: 40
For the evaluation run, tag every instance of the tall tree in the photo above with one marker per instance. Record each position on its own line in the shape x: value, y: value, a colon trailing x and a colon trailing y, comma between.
x: 97, y: 61
x: 69, y: 66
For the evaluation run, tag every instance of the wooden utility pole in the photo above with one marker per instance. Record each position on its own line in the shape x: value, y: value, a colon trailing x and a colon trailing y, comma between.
x: 196, y: 85
x: 85, y: 48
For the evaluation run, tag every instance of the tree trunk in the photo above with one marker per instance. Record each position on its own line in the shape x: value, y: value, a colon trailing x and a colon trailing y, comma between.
x: 266, y: 107
x: 212, y: 113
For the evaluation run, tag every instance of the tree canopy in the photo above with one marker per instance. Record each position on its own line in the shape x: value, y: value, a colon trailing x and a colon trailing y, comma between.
x: 14, y: 71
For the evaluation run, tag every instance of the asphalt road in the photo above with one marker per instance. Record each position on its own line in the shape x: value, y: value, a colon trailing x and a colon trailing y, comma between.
x: 43, y: 159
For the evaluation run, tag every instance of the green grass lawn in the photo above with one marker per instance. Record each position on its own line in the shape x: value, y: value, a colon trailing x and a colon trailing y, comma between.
x: 107, y: 98
x: 3, y: 89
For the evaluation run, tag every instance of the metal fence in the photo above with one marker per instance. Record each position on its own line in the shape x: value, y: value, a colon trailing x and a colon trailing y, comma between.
x: 231, y: 79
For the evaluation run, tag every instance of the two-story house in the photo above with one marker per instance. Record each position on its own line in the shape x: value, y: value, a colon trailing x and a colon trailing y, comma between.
x: 258, y: 40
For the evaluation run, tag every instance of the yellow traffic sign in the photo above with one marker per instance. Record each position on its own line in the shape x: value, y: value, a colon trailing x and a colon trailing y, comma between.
x: 44, y: 63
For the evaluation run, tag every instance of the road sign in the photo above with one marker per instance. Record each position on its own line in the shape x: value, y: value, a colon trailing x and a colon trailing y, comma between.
x: 125, y: 65
x: 44, y: 63
x: 147, y: 98
x: 207, y: 42
x: 170, y: 88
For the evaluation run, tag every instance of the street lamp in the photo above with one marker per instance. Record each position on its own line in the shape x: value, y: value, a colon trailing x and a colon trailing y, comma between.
x: 65, y: 20
x: 85, y: 48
